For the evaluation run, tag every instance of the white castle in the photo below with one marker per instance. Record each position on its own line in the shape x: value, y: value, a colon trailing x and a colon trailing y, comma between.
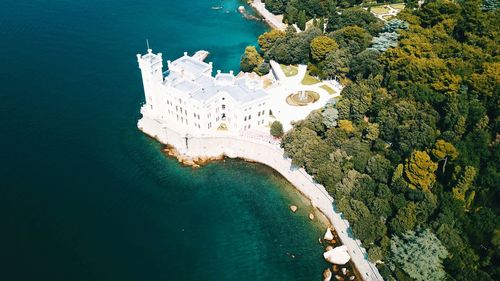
x: 190, y: 100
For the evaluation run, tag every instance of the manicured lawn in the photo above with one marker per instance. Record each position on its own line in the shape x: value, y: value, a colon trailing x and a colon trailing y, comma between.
x: 289, y: 70
x: 328, y: 89
x: 379, y: 10
x: 309, y: 80
x: 387, y: 17
x: 399, y: 6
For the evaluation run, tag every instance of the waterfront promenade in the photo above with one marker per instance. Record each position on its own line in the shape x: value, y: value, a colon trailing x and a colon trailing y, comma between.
x: 260, y: 147
x: 273, y: 20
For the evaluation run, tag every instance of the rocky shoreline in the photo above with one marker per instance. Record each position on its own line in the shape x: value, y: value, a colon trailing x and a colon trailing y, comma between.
x: 194, y: 162
x: 339, y: 272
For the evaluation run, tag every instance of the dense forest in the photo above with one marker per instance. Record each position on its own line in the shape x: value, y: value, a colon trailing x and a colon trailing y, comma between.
x: 299, y: 11
x: 410, y: 151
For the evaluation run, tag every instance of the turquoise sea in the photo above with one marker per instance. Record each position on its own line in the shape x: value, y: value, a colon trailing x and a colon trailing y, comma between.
x: 85, y: 196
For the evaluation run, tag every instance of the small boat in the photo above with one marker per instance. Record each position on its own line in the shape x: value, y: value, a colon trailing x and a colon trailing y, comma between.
x: 216, y: 7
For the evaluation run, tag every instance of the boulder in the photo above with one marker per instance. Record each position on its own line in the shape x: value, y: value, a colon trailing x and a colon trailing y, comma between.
x: 328, y: 235
x: 293, y: 208
x: 311, y: 216
x: 327, y: 275
x: 337, y: 255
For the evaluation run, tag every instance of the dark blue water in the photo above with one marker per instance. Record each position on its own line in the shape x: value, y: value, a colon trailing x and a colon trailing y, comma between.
x: 85, y: 196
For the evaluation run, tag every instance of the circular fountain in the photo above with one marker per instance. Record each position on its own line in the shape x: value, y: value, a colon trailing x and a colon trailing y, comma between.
x: 302, y: 98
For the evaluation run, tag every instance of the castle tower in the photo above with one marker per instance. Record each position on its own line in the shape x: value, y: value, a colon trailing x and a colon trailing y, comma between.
x: 151, y: 66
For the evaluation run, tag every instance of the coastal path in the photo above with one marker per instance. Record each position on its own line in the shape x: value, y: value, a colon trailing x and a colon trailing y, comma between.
x: 273, y: 20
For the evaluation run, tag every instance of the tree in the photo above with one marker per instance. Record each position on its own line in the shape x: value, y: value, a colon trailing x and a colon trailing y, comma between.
x: 419, y: 170
x: 379, y: 168
x: 351, y: 17
x: 336, y: 63
x: 418, y: 254
x: 267, y: 40
x: 321, y: 46
x: 263, y: 68
x: 277, y: 129
x: 405, y: 219
x: 365, y: 63
x: 460, y: 191
x: 442, y: 150
x: 346, y: 126
x: 353, y: 39
x: 305, y: 148
x: 375, y: 254
x: 372, y: 131
x: 301, y: 21
x: 250, y: 59
x: 330, y: 114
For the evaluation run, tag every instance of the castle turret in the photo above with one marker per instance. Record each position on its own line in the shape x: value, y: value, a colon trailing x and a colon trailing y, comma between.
x: 151, y: 66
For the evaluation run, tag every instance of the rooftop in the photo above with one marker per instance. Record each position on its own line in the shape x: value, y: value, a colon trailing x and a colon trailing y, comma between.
x: 192, y: 76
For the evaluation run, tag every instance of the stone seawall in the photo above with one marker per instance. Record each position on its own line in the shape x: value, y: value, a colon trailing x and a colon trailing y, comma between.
x: 270, y: 154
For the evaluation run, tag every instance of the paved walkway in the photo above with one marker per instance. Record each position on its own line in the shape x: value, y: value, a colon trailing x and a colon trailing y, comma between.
x: 385, y: 17
x: 286, y: 113
x: 273, y: 20
x: 258, y: 146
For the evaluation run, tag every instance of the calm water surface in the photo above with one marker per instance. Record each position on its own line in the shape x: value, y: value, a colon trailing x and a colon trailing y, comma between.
x: 85, y: 196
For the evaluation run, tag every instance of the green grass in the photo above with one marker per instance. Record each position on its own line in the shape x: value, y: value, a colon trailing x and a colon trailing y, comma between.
x: 309, y: 80
x: 327, y: 88
x: 399, y: 6
x: 289, y: 70
x: 379, y: 10
x: 387, y: 17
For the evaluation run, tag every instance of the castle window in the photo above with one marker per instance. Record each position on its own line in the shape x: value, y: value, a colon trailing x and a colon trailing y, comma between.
x: 223, y: 106
x: 249, y: 117
x: 258, y: 114
x: 245, y: 119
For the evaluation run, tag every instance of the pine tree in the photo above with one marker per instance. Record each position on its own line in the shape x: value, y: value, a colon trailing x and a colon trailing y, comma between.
x: 420, y: 255
x: 301, y: 22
